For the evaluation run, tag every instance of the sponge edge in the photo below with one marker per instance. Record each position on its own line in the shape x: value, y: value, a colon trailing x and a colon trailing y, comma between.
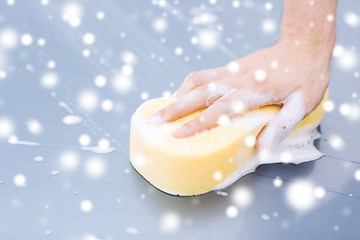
x: 214, y: 158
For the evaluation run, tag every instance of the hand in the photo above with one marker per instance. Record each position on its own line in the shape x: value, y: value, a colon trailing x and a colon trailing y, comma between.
x: 289, y: 73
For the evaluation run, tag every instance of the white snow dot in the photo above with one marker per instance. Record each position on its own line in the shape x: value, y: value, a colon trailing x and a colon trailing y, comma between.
x: 352, y: 19
x: 41, y: 42
x: 100, y: 15
x: 128, y: 57
x: 178, y: 51
x: 260, y: 75
x: 236, y: 4
x: 107, y: 105
x: 84, y: 140
x: 170, y: 222
x: 319, y: 192
x: 100, y: 81
x: 86, y: 53
x: 34, y: 126
x: 122, y: 84
x: 357, y: 175
x: 26, y: 39
x: 345, y: 109
x: 329, y: 106
x: 86, y: 206
x: 6, y: 127
x: 144, y: 96
x: 233, y: 67
x: 268, y: 26
x: 268, y: 6
x: 95, y: 168
x: 49, y: 80
x: 223, y: 120
x: 10, y: 2
x: 88, y: 100
x: 231, y: 211
x: 274, y: 64
x: 20, y: 180
x: 330, y: 18
x: 51, y: 64
x: 2, y: 74
x: 69, y: 160
x: 300, y: 195
x: 277, y: 182
x: 265, y: 217
x: 242, y: 196
x: 44, y: 2
x: 88, y: 38
x: 127, y: 70
x: 336, y: 142
x: 160, y: 25
x: 71, y: 13
x: 208, y: 39
x: 217, y: 176
x: 338, y: 50
x: 347, y: 61
x: 250, y: 141
x: 8, y: 38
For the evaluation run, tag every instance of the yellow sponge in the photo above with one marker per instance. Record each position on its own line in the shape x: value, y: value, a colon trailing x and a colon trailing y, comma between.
x: 198, y: 164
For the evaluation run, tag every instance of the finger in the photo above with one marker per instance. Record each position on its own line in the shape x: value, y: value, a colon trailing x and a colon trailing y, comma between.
x: 218, y: 113
x: 199, y: 98
x: 282, y: 124
x: 205, y: 120
x: 196, y: 79
x: 203, y: 77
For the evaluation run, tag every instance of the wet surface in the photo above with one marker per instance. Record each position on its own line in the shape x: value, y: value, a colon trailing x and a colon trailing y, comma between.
x: 54, y: 106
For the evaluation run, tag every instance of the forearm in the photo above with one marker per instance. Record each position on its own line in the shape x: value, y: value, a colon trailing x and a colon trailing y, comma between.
x: 310, y: 23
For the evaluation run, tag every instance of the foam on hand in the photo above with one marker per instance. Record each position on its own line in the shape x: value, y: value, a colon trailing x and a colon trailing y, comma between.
x: 215, y: 158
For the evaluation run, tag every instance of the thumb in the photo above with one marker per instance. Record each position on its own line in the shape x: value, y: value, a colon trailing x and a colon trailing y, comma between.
x: 282, y: 124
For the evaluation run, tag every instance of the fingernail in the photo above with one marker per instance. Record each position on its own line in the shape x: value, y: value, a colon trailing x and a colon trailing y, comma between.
x: 181, y: 132
x: 156, y: 119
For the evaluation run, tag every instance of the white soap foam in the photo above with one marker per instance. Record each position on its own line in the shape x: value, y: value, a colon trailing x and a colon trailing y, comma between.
x: 100, y: 150
x: 300, y: 145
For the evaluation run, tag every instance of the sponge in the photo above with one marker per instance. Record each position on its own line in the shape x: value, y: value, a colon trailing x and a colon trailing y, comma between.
x: 207, y: 161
